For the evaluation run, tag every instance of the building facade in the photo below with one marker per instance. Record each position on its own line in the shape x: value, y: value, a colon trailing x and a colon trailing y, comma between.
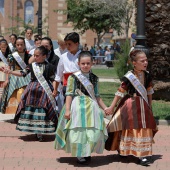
x: 53, y: 22
x: 27, y: 10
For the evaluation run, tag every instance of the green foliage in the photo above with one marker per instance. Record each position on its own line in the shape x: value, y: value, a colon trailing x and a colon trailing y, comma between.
x: 122, y: 64
x: 99, y: 16
x: 105, y: 72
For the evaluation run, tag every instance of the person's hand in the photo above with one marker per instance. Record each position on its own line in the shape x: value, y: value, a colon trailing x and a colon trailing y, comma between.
x: 2, y: 69
x: 5, y: 83
x: 55, y: 93
x: 67, y: 115
x: 108, y: 111
x: 7, y: 70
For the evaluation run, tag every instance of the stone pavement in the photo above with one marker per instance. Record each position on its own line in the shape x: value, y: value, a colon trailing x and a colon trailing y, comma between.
x: 21, y: 151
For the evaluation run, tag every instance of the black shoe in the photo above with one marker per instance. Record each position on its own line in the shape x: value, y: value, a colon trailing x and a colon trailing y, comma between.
x: 122, y: 156
x: 39, y: 138
x: 82, y: 160
x: 88, y: 158
x: 144, y: 162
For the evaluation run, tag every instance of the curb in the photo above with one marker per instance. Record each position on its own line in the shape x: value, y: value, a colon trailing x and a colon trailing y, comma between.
x: 163, y: 122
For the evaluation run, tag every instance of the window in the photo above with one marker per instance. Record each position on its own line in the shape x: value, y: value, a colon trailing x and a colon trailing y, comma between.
x: 29, y: 12
x: 2, y: 7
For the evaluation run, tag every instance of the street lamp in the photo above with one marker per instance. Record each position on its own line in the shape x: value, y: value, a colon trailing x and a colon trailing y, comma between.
x: 39, y: 17
x: 140, y: 36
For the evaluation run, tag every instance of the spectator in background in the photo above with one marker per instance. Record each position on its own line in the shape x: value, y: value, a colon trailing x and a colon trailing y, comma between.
x: 93, y: 52
x: 28, y: 41
x: 85, y: 48
x: 62, y: 45
x: 37, y: 43
x: 12, y: 38
x: 97, y: 61
x: 107, y: 53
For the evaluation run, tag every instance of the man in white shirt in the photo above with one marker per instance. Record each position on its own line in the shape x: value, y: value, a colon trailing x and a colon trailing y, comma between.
x: 28, y: 41
x: 68, y: 63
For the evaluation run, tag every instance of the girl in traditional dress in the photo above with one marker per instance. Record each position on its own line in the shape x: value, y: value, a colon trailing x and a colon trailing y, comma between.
x: 36, y: 112
x: 132, y: 127
x: 18, y: 60
x: 81, y: 129
x: 4, y: 52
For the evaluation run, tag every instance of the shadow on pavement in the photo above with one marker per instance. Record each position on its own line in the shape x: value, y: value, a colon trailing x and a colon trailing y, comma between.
x: 156, y: 157
x: 33, y: 138
x: 10, y: 121
x: 98, y: 161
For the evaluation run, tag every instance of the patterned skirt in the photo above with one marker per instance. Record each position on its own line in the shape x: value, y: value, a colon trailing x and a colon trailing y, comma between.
x: 132, y: 128
x: 34, y: 120
x: 85, y: 132
x: 35, y: 112
x: 12, y: 93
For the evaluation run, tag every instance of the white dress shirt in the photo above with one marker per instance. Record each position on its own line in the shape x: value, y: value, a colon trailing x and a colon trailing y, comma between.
x: 60, y: 52
x: 68, y: 63
x: 29, y: 44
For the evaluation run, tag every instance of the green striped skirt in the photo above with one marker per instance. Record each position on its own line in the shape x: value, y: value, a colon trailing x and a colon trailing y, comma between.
x: 85, y: 132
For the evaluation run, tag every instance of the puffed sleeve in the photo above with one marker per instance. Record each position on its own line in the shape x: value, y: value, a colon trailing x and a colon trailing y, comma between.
x: 10, y: 59
x: 70, y: 86
x: 121, y: 90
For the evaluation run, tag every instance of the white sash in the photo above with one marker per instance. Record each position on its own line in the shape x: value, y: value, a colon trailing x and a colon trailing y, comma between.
x: 43, y: 83
x: 86, y: 83
x: 11, y: 46
x: 2, y: 57
x: 137, y: 85
x: 89, y: 87
x: 19, y: 60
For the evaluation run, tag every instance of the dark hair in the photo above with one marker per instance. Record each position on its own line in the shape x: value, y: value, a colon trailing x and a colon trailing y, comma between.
x: 42, y: 49
x: 133, y: 54
x: 20, y: 38
x: 37, y: 39
x: 85, y: 54
x: 14, y: 35
x: 28, y: 28
x: 73, y: 36
x: 7, y: 49
x: 50, y: 41
x: 37, y: 36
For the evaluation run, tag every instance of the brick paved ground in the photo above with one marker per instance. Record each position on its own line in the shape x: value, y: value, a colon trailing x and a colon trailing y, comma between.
x: 21, y: 151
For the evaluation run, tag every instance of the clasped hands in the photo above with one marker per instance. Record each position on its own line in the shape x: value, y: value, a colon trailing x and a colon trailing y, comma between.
x: 108, y: 111
x: 5, y: 69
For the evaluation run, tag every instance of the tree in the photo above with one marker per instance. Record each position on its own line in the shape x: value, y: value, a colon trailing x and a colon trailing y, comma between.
x: 128, y: 7
x: 97, y: 15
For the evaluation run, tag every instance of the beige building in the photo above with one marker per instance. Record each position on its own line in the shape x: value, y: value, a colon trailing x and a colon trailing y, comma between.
x: 27, y: 11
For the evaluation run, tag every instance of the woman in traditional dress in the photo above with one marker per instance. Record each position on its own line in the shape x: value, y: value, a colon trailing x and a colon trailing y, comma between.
x: 18, y: 60
x: 81, y: 129
x: 132, y: 127
x: 4, y: 52
x: 36, y: 112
